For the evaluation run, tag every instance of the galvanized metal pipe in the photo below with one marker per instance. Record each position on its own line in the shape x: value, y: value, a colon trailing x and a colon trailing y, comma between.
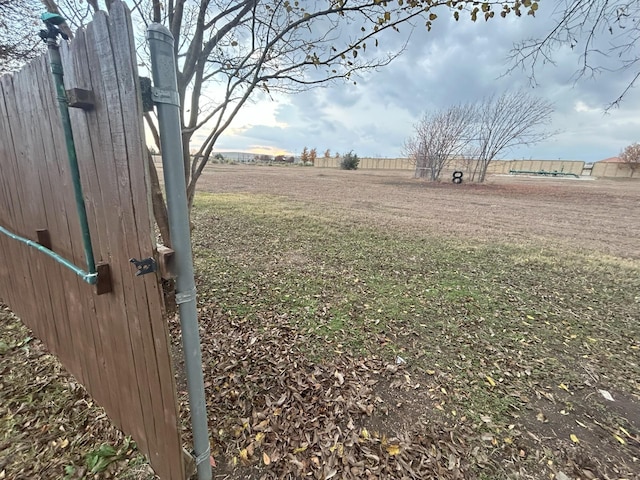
x: 58, y: 75
x: 90, y: 278
x: 165, y: 95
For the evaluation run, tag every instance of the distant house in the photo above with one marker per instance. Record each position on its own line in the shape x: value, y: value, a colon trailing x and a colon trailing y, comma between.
x: 611, y: 160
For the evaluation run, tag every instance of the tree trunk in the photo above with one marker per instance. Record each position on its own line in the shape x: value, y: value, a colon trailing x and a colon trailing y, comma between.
x: 191, y: 193
x: 483, y: 171
x: 186, y: 139
x: 157, y: 201
x: 421, y: 172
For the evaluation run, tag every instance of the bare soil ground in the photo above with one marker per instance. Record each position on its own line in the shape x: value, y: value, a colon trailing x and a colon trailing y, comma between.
x: 598, y: 215
x: 337, y: 346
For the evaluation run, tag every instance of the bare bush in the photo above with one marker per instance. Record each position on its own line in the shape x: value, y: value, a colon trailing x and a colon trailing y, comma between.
x: 477, y: 133
x: 631, y: 157
x: 440, y: 137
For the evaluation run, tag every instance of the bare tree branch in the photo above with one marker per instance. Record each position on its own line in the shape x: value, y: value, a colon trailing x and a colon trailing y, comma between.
x: 151, y: 124
x: 506, y: 121
x: 16, y: 45
x: 603, y: 33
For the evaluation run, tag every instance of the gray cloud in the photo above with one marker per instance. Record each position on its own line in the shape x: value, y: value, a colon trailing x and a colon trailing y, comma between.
x: 455, y: 62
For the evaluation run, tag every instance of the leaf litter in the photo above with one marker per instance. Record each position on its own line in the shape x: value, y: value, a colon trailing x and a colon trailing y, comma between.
x: 289, y: 417
x: 49, y: 426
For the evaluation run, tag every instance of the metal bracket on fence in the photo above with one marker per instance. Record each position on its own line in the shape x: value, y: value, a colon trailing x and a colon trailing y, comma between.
x: 145, y: 93
x: 184, y: 297
x: 144, y: 266
x: 165, y: 96
x: 191, y: 460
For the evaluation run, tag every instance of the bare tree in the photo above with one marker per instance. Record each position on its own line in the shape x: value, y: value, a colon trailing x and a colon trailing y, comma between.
x: 439, y: 137
x: 304, y: 156
x: 630, y: 156
x: 17, y: 44
x: 506, y: 121
x: 604, y: 33
x: 478, y: 132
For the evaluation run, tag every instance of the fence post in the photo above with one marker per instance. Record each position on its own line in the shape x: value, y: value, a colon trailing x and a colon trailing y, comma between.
x: 165, y: 95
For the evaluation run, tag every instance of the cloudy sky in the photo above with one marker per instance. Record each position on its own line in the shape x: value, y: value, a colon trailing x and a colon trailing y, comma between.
x: 455, y: 62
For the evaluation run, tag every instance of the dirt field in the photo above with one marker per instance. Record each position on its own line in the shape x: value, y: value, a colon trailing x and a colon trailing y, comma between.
x: 329, y: 351
x: 598, y: 215
x: 529, y: 361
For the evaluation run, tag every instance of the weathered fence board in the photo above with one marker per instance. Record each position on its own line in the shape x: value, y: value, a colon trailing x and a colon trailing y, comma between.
x: 115, y: 344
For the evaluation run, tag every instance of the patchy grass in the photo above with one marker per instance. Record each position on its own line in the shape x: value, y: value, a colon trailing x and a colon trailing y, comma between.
x: 511, y: 341
x: 435, y: 300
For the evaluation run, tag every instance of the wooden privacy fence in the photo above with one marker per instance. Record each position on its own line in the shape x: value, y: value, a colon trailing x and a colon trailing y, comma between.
x: 115, y: 344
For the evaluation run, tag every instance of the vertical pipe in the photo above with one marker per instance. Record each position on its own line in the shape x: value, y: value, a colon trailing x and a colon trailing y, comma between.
x: 58, y: 74
x: 165, y: 94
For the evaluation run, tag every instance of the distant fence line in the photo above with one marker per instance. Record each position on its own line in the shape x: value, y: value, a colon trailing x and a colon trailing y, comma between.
x: 496, y: 167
